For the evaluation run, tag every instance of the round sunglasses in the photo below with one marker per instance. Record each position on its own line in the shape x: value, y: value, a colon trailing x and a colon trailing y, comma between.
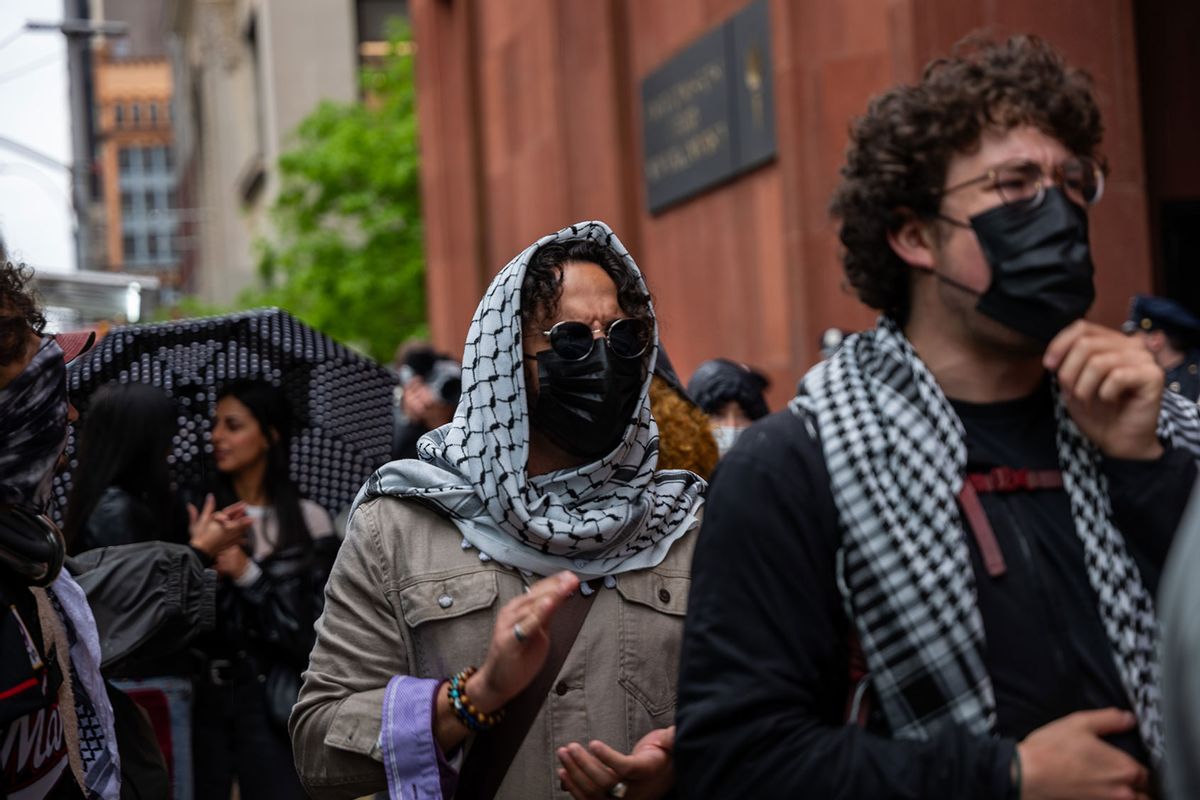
x: 573, y: 341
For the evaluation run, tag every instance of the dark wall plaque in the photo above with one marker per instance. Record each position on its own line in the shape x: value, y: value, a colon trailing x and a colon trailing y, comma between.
x: 708, y: 113
x: 685, y: 122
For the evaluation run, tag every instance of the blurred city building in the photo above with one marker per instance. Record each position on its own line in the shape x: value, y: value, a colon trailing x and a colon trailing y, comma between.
x: 709, y: 133
x: 123, y: 185
x: 247, y: 72
x: 134, y: 161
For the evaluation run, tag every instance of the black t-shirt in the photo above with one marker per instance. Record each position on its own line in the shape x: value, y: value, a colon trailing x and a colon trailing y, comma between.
x: 1047, y: 651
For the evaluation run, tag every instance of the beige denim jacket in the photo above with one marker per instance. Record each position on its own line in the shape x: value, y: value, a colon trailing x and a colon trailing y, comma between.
x: 405, y: 598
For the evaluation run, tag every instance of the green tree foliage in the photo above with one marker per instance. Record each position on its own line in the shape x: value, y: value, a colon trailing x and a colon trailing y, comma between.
x: 346, y: 256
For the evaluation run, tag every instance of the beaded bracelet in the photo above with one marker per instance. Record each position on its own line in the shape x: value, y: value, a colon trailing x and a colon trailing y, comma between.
x: 465, y: 710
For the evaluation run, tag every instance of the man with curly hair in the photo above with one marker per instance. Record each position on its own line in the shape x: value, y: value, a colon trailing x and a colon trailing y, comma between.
x: 932, y: 575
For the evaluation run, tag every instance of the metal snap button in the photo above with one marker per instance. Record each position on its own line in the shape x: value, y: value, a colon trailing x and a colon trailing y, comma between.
x: 561, y: 688
x: 664, y: 595
x: 445, y: 601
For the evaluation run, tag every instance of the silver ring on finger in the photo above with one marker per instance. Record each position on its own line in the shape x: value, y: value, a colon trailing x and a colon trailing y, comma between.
x: 618, y: 789
x: 519, y: 634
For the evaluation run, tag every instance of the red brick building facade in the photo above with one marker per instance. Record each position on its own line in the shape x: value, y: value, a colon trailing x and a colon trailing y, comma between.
x: 530, y: 114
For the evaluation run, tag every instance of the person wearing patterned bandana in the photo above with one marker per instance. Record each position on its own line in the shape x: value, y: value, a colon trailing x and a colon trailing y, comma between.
x: 539, y: 504
x: 57, y: 735
x: 933, y: 574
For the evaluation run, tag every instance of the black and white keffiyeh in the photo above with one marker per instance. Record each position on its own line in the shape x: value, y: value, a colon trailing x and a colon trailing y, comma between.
x: 613, y: 515
x: 896, y: 456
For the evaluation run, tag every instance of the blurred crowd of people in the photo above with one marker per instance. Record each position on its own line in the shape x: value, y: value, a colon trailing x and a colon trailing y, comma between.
x: 947, y: 568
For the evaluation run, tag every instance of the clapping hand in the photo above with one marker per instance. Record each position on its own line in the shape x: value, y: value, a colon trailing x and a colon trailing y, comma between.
x: 517, y: 651
x: 519, y: 642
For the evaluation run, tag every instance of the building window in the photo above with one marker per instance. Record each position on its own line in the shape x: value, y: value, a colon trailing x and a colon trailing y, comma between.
x: 149, y: 219
x: 124, y: 160
x: 118, y: 115
x: 153, y: 109
x: 135, y: 113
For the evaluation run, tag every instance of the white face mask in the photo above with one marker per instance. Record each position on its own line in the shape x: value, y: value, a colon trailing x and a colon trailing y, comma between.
x: 726, y: 435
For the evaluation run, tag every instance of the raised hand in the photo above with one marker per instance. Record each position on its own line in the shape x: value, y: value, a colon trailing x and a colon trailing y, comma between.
x: 1112, y: 388
x: 515, y: 655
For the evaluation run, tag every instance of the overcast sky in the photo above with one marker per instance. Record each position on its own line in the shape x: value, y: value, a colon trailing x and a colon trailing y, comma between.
x: 35, y: 198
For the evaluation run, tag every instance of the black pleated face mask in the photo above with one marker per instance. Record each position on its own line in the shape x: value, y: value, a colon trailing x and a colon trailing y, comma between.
x: 583, y: 406
x: 1042, y: 273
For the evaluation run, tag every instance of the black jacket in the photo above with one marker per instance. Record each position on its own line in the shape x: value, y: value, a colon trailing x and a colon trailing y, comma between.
x: 274, y: 616
x: 764, y: 667
x: 121, y: 518
x: 265, y: 631
x: 150, y: 601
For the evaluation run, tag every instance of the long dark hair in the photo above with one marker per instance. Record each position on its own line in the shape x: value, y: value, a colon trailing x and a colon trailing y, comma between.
x: 124, y: 442
x: 270, y: 409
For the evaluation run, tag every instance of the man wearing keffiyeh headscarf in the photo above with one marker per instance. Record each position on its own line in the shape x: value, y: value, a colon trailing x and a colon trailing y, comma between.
x: 547, y: 471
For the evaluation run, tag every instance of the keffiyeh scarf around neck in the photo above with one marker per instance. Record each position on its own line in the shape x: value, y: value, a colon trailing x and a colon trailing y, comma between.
x: 89, y: 726
x: 896, y: 456
x: 611, y: 516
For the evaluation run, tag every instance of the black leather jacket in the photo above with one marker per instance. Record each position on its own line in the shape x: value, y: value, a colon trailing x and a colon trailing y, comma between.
x: 265, y: 631
x: 121, y: 518
x: 274, y: 616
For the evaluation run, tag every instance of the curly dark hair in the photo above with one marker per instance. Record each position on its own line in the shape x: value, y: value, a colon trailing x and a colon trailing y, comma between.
x: 899, y: 150
x: 19, y: 311
x: 541, y: 290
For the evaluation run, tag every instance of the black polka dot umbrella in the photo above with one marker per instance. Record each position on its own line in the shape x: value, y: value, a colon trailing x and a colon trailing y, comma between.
x: 342, y: 401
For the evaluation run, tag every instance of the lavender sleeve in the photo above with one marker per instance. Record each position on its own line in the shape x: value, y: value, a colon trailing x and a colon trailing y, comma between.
x: 415, y: 765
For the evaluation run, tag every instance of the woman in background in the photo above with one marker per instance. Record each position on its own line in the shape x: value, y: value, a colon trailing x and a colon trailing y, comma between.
x: 121, y: 489
x: 122, y: 495
x: 268, y: 601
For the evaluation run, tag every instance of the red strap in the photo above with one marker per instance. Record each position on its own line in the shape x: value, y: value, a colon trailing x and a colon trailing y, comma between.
x: 1007, y: 479
x: 977, y: 521
x: 31, y: 683
x: 858, y: 700
x: 1000, y: 479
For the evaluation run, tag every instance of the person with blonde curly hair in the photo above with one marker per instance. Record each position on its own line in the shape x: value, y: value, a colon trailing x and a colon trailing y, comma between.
x: 685, y: 438
x: 933, y: 575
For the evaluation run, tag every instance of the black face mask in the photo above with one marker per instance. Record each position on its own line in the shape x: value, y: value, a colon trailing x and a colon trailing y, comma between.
x: 1041, y: 265
x: 584, y: 406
